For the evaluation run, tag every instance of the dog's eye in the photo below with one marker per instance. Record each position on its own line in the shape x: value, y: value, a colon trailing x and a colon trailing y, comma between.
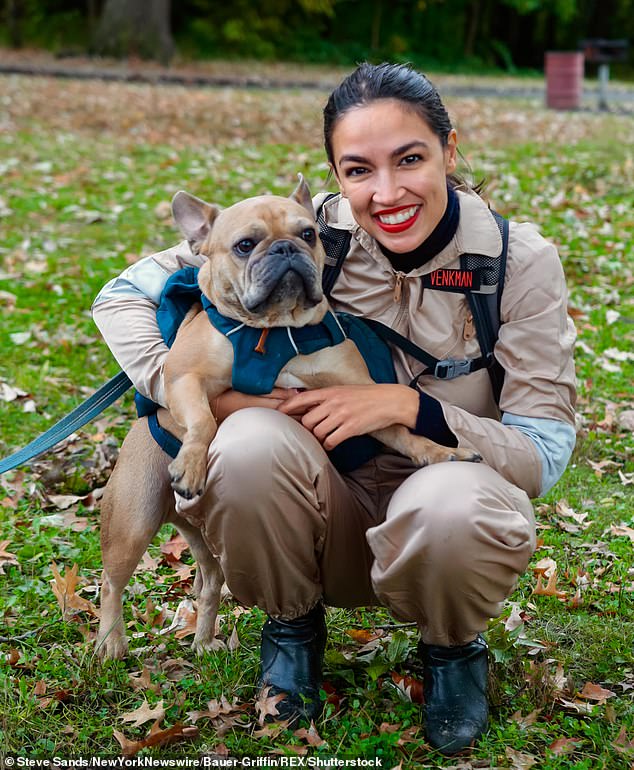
x: 244, y: 247
x: 308, y: 235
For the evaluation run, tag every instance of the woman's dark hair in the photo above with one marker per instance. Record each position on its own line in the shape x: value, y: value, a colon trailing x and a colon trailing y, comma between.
x: 371, y: 82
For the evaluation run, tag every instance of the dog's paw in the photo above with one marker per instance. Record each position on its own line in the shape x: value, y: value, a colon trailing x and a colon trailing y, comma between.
x: 112, y: 647
x: 465, y: 455
x: 188, y: 473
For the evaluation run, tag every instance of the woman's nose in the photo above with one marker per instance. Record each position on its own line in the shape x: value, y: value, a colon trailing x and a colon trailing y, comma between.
x: 387, y: 189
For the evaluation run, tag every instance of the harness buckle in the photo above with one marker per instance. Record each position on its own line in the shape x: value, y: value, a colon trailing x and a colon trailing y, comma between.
x: 451, y: 368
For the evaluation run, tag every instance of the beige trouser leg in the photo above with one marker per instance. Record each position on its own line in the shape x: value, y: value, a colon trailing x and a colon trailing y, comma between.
x: 441, y: 546
x: 456, y: 536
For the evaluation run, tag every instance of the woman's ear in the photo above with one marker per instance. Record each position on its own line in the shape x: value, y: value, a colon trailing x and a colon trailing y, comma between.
x: 451, y: 152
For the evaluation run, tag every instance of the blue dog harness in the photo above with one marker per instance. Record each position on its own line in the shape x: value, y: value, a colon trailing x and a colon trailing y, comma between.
x: 259, y: 355
x: 259, y: 358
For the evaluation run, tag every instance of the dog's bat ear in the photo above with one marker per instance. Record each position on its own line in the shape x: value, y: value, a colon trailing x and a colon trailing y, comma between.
x: 194, y: 217
x: 302, y: 195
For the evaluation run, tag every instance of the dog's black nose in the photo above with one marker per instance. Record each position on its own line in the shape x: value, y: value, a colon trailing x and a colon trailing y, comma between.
x: 282, y: 248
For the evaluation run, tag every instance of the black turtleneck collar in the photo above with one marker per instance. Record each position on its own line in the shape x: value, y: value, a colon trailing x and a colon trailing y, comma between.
x: 434, y: 243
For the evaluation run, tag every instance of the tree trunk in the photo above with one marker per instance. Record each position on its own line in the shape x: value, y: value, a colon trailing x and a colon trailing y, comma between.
x: 375, y: 41
x: 472, y: 27
x: 135, y: 28
x: 12, y: 14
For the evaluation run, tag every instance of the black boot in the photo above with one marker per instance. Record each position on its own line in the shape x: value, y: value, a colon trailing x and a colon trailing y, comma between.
x: 292, y: 655
x: 455, y: 688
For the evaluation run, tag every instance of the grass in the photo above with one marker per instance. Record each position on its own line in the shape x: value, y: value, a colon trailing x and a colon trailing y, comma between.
x: 77, y: 204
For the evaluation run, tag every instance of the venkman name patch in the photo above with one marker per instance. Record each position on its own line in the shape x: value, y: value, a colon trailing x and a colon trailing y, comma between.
x: 452, y: 280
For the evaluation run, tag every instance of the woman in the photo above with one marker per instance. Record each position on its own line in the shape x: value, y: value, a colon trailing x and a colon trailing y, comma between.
x: 444, y: 545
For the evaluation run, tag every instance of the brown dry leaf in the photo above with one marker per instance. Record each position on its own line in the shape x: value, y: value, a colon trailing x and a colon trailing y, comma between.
x: 147, y: 564
x: 64, y: 589
x: 6, y: 557
x: 363, y: 635
x: 411, y: 688
x: 266, y: 706
x: 596, y: 692
x: 215, y: 709
x: 270, y: 730
x: 144, y: 713
x: 176, y: 669
x: 515, y: 619
x: 519, y: 760
x: 174, y: 548
x: 156, y: 737
x: 622, y: 531
x: 550, y: 589
x: 234, y: 642
x: 184, y: 622
x: 527, y: 721
x: 13, y: 657
x: 621, y: 742
x: 564, y: 746
x: 310, y: 735
x: 143, y: 681
x: 40, y: 688
x: 410, y: 735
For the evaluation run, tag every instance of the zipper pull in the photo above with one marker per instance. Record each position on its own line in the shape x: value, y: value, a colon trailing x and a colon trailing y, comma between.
x: 398, y: 287
x: 468, y: 331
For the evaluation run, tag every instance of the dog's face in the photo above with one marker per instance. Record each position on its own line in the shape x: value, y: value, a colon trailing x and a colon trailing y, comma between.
x: 264, y: 257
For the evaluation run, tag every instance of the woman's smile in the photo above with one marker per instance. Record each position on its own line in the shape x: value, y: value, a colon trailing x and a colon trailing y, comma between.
x: 399, y: 219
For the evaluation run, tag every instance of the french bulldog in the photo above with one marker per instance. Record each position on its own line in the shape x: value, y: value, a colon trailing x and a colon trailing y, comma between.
x: 263, y: 269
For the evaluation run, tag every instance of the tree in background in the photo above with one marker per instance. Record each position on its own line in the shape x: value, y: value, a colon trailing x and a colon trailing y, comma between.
x: 135, y: 28
x: 505, y: 34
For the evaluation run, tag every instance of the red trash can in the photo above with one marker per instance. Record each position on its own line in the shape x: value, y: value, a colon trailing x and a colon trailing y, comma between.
x: 564, y: 79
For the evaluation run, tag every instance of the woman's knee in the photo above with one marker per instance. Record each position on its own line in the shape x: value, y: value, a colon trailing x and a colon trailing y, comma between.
x: 459, y: 514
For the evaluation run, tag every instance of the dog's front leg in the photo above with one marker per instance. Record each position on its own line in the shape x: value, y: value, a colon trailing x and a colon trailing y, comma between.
x: 188, y: 402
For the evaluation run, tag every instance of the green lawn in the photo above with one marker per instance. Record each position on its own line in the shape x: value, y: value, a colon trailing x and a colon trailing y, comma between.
x: 87, y: 169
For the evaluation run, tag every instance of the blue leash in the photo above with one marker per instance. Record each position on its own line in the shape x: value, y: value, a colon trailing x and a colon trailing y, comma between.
x: 102, y: 398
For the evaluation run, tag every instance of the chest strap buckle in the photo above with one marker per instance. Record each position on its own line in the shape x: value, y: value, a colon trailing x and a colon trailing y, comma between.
x: 452, y: 367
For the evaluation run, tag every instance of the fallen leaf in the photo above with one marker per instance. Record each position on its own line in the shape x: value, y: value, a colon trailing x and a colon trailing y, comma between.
x: 310, y: 735
x: 595, y: 692
x: 363, y: 635
x: 234, y: 642
x: 184, y: 622
x: 622, y: 531
x: 7, y: 558
x: 215, y: 709
x: 267, y: 706
x: 621, y: 742
x: 156, y: 737
x: 625, y: 420
x: 144, y: 713
x: 411, y: 688
x: 174, y: 547
x: 64, y: 590
x: 143, y: 681
x: 527, y: 721
x: 564, y: 746
x: 519, y: 760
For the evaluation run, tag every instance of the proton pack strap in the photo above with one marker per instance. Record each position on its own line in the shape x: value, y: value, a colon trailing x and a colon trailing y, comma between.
x: 336, y: 244
x: 486, y: 310
x: 447, y: 369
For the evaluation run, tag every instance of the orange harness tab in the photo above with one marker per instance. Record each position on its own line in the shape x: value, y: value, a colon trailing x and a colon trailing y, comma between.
x: 260, y: 347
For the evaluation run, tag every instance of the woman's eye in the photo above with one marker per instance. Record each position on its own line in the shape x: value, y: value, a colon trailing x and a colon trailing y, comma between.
x: 244, y: 247
x: 308, y: 235
x: 409, y: 159
x: 357, y: 171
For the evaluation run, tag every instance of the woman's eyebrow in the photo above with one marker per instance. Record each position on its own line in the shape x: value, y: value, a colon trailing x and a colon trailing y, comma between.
x: 417, y: 143
x: 410, y: 146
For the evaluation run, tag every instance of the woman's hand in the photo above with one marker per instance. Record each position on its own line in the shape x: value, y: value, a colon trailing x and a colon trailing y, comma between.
x: 231, y: 400
x: 337, y: 413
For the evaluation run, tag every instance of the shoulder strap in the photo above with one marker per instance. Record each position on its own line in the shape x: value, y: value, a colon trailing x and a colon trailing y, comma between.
x: 336, y: 244
x: 485, y: 306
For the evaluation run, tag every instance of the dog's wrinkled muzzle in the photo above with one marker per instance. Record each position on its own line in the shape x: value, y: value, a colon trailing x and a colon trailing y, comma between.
x: 284, y: 274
